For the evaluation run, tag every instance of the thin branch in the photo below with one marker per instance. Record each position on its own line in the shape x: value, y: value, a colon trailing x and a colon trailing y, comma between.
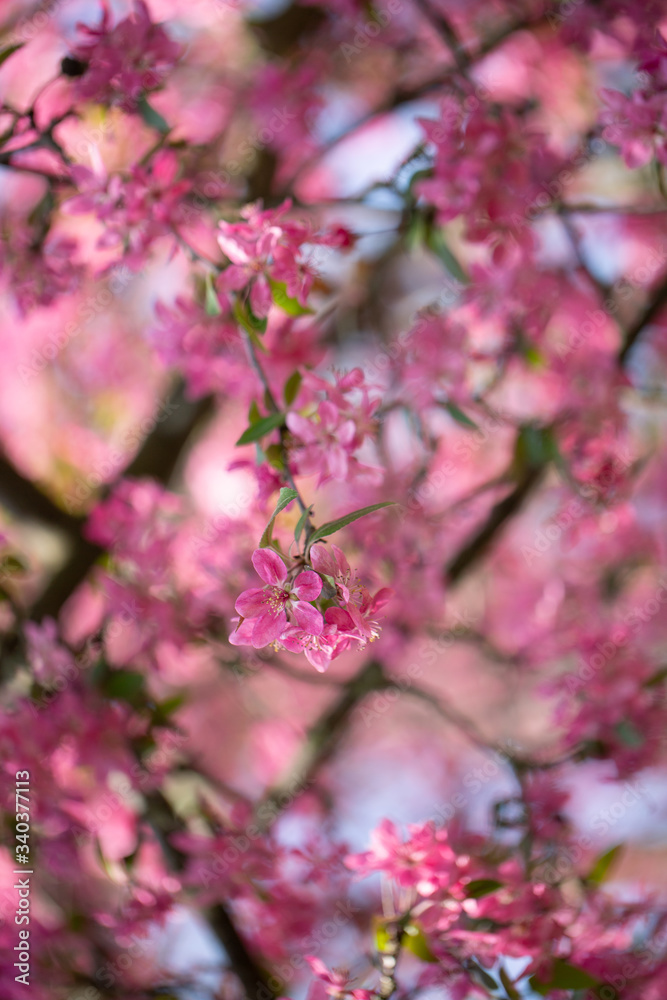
x: 271, y: 400
x: 473, y: 550
x: 320, y: 743
x: 412, y: 94
x: 247, y: 968
x: 157, y: 459
x: 650, y: 312
x: 446, y: 30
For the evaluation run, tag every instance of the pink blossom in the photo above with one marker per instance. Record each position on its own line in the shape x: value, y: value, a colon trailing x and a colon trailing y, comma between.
x: 270, y: 608
x: 636, y: 124
x: 126, y: 62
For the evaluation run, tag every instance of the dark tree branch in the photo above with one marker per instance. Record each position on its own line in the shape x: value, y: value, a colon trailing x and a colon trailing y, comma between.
x: 473, y: 551
x: 320, y: 742
x: 157, y: 458
x: 252, y: 977
x: 650, y: 313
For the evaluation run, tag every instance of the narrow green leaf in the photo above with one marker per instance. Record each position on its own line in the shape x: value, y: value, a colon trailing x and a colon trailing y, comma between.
x: 415, y: 941
x: 482, y: 887
x: 245, y: 316
x: 657, y: 678
x: 261, y: 427
x: 301, y: 523
x: 274, y: 456
x: 603, y: 864
x: 212, y: 304
x: 165, y: 709
x: 152, y: 117
x: 628, y: 733
x: 292, y: 386
x: 104, y: 864
x: 564, y: 977
x: 331, y: 526
x: 126, y: 685
x: 253, y: 413
x: 508, y: 985
x: 482, y: 976
x: 381, y: 938
x: 285, y: 497
x: 9, y: 51
x: 285, y: 301
x: 438, y: 245
x: 459, y: 416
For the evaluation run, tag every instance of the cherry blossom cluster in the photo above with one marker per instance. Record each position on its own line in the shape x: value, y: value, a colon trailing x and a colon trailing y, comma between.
x: 120, y: 64
x: 266, y: 248
x: 326, y: 433
x: 321, y: 612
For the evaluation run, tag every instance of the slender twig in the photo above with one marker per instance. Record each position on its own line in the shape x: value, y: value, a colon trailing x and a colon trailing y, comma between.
x: 446, y: 30
x: 272, y: 403
x: 650, y: 312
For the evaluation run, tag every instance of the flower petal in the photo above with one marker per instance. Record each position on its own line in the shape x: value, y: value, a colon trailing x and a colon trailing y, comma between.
x: 251, y: 602
x: 268, y: 628
x: 308, y: 585
x: 269, y: 566
x: 308, y: 618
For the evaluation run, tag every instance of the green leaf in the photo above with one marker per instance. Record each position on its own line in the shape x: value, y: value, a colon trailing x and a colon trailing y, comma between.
x: 415, y: 941
x: 508, y: 985
x: 533, y: 357
x: 564, y: 977
x: 459, y: 416
x: 104, y: 864
x: 212, y: 303
x: 437, y: 244
x: 247, y: 318
x: 482, y: 887
x: 261, y: 427
x: 285, y: 301
x: 12, y: 564
x: 292, y: 386
x: 126, y: 685
x: 628, y: 733
x: 250, y: 323
x: 165, y: 709
x: 301, y: 523
x: 253, y: 413
x: 657, y: 678
x: 274, y: 456
x: 9, y: 51
x: 482, y: 976
x: 331, y: 526
x: 152, y: 117
x: 603, y: 864
x: 535, y: 447
x: 287, y: 494
x: 381, y: 938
